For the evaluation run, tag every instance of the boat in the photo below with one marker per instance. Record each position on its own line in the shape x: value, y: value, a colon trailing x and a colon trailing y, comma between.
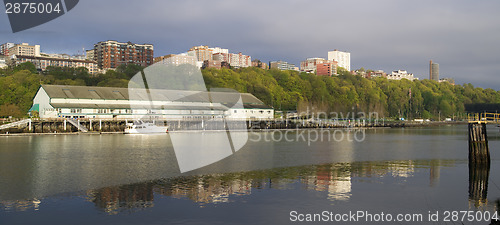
x: 142, y: 127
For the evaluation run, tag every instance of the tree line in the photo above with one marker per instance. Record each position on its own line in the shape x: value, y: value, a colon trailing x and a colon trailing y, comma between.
x: 284, y: 90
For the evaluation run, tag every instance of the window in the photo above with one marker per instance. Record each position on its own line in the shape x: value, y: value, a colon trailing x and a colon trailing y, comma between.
x: 94, y: 94
x: 68, y: 93
x: 76, y: 110
x: 118, y: 95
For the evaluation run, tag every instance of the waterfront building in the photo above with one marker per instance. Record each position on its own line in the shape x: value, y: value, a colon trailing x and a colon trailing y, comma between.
x: 342, y: 58
x: 42, y: 62
x: 111, y: 54
x: 433, y: 71
x: 62, y: 101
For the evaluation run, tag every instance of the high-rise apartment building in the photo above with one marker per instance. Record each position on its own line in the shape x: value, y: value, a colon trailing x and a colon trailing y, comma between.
x: 177, y: 60
x: 111, y: 54
x: 235, y: 60
x: 90, y: 55
x: 326, y: 67
x: 433, y: 71
x: 343, y: 58
x: 203, y: 52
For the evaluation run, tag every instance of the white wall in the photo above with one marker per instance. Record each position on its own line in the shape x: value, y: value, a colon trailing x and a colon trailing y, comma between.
x: 43, y: 101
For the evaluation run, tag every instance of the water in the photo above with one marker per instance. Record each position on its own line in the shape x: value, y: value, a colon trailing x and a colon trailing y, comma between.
x: 135, y: 179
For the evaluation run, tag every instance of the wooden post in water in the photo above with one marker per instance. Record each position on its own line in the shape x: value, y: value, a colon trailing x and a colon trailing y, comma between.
x: 479, y: 153
x: 479, y: 163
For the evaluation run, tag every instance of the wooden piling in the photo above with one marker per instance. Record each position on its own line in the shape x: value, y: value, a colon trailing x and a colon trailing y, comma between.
x: 479, y: 153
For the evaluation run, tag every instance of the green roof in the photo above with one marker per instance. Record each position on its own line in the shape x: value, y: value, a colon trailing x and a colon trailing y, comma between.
x: 35, y: 107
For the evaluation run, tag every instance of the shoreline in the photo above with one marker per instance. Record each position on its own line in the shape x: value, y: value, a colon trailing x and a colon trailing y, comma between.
x: 387, y: 126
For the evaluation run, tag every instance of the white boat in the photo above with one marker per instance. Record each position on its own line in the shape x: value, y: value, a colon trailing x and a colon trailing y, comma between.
x: 141, y: 127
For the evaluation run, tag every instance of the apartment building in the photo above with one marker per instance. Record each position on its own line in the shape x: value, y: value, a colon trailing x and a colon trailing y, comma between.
x: 111, y: 54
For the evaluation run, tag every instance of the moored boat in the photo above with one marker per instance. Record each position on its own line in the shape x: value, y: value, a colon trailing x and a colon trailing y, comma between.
x: 142, y: 127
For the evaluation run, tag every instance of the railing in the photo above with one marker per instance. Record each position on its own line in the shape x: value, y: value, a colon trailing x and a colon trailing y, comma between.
x: 483, y: 117
x: 78, y: 125
x: 9, y: 125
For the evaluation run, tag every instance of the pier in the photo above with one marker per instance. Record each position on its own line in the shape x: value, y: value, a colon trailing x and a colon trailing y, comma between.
x: 63, y: 125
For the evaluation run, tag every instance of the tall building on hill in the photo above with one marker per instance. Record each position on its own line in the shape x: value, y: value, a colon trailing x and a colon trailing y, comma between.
x: 176, y: 59
x: 24, y: 49
x: 319, y: 66
x: 433, y: 71
x: 111, y: 54
x: 281, y: 65
x: 235, y: 60
x: 343, y: 58
x: 328, y: 68
x: 203, y: 52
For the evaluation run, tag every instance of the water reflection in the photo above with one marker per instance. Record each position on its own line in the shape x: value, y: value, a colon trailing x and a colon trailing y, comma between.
x: 478, y: 184
x: 336, y: 180
x: 21, y: 205
x: 113, y: 200
x: 479, y: 172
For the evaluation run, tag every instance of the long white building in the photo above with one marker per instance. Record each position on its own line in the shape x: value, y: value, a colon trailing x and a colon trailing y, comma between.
x: 61, y: 101
x: 400, y: 74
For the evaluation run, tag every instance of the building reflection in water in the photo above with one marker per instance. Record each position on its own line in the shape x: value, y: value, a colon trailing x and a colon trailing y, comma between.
x: 334, y: 179
x: 113, y: 200
x: 21, y: 205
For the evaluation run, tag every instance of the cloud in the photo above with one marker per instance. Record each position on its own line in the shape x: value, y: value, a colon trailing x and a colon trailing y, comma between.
x: 463, y: 36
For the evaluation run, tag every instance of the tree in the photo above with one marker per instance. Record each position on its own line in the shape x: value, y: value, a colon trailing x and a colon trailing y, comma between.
x: 29, y: 66
x: 7, y: 110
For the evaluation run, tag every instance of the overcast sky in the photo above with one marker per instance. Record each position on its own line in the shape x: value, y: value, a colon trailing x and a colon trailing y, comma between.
x: 462, y: 36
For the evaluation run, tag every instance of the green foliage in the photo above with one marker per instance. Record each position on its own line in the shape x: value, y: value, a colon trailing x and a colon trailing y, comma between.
x: 284, y: 90
x: 289, y: 90
x: 25, y: 66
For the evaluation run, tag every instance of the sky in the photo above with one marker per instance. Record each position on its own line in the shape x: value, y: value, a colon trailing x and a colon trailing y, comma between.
x: 462, y: 36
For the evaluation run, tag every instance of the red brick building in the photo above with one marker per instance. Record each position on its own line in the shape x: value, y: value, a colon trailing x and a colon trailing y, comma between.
x: 111, y: 54
x: 327, y: 68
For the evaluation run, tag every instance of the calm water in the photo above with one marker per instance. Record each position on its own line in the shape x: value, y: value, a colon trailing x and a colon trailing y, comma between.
x: 135, y: 179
